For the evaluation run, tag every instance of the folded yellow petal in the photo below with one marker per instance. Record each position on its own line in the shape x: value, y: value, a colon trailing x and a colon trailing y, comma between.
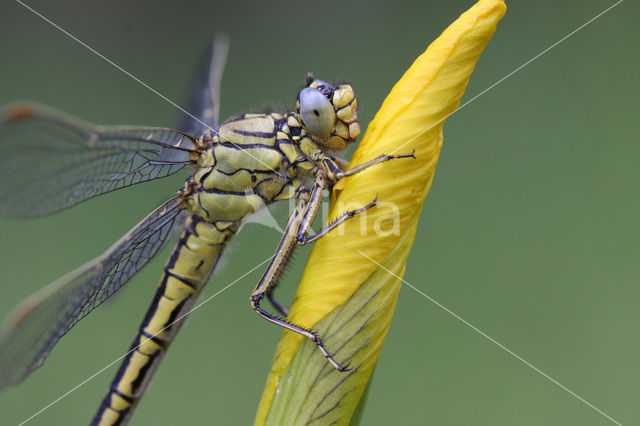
x: 344, y: 294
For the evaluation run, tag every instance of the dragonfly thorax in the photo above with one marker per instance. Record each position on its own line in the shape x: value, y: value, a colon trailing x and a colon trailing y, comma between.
x: 253, y: 160
x: 246, y: 163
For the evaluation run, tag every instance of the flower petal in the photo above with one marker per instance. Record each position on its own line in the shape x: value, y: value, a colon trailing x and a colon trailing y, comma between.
x: 343, y: 294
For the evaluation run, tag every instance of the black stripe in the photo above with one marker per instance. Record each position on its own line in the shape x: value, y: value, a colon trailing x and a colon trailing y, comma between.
x: 243, y: 169
x: 174, y: 313
x: 282, y: 182
x: 153, y: 308
x: 176, y: 252
x: 263, y: 135
x: 202, y: 207
x: 130, y: 399
x: 103, y: 408
x: 237, y: 193
x: 206, y: 175
x: 194, y: 284
x: 143, y: 372
x: 276, y: 195
x: 155, y: 339
x: 200, y: 264
x: 191, y: 229
x: 123, y: 367
x: 225, y: 192
x: 246, y: 146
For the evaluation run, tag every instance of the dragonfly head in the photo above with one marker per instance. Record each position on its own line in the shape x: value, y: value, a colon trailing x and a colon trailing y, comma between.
x: 329, y: 112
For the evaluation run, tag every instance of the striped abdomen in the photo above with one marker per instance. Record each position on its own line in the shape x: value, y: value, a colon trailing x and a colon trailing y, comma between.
x: 185, y: 274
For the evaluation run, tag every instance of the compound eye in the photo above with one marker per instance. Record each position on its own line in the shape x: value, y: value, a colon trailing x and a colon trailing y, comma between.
x: 317, y: 113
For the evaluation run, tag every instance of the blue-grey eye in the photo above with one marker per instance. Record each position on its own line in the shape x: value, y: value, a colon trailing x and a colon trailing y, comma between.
x: 316, y: 112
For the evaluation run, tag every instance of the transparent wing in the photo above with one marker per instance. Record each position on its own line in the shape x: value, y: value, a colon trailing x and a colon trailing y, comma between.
x: 50, y: 161
x: 34, y: 327
x: 204, y: 91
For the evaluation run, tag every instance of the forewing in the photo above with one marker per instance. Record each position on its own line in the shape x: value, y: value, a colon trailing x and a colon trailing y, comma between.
x: 204, y: 90
x: 36, y: 325
x: 50, y: 161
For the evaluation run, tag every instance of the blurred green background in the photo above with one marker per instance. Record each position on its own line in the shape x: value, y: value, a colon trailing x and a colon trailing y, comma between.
x: 531, y: 231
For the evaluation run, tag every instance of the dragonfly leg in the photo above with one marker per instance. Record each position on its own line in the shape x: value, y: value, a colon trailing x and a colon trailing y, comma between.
x: 276, y: 304
x: 334, y: 170
x: 305, y: 212
x: 304, y: 238
x: 271, y: 276
x: 311, y: 210
x: 314, y: 205
x: 305, y: 332
x: 336, y: 175
x: 341, y: 162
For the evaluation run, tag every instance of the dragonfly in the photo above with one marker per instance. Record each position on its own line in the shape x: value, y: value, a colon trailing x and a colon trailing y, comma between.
x: 237, y: 167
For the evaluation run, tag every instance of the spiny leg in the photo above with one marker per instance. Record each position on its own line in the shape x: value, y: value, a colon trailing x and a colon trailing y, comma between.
x: 307, y: 220
x: 336, y: 173
x: 314, y: 206
x: 297, y: 190
x: 278, y: 262
x: 311, y: 210
x: 276, y: 267
x: 308, y: 216
x: 296, y: 232
x: 379, y: 159
x: 303, y: 331
x: 304, y: 238
x: 341, y: 162
x: 334, y: 169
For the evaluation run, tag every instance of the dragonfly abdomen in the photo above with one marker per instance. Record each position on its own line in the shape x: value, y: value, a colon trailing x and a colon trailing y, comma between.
x: 185, y: 274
